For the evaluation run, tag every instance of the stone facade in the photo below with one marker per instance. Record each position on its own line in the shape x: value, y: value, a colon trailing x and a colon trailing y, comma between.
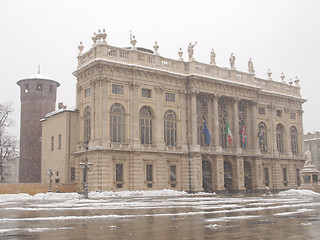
x: 38, y: 97
x: 312, y: 144
x: 142, y: 117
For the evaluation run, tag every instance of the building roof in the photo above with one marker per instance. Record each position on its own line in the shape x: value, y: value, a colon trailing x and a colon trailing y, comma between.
x: 39, y: 77
x: 61, y: 110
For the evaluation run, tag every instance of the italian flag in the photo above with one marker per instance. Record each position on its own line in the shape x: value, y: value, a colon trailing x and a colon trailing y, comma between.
x: 228, y: 133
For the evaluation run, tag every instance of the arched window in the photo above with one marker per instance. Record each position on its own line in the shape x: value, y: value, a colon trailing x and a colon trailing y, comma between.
x: 117, y: 123
x: 170, y: 128
x: 145, y: 125
x: 279, y: 137
x: 87, y: 124
x: 242, y: 115
x: 263, y: 139
x: 294, y: 139
x: 202, y: 112
x: 222, y: 111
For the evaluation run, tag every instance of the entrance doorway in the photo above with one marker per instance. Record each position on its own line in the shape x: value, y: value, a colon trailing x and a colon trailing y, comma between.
x: 247, y: 177
x: 228, y: 176
x: 206, y: 176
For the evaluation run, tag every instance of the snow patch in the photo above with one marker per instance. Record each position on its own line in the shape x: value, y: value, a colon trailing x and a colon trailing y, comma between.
x: 299, y: 192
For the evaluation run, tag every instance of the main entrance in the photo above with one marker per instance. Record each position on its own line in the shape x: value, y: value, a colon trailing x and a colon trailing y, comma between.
x: 206, y: 176
x: 228, y: 176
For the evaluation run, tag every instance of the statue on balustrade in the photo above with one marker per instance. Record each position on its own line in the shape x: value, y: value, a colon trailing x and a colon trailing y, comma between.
x: 191, y: 51
x: 232, y: 61
x: 213, y: 57
x: 250, y: 66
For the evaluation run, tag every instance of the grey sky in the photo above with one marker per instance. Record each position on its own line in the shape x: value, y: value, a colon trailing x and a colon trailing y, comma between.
x: 281, y: 35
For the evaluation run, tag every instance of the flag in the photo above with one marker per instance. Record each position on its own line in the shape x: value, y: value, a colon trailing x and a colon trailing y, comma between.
x: 206, y: 133
x: 260, y: 136
x: 243, y: 136
x: 228, y: 133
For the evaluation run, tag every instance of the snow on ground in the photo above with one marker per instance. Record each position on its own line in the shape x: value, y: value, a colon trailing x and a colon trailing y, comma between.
x: 298, y: 192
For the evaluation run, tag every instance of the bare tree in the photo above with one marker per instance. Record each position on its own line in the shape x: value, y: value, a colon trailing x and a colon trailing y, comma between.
x: 8, y: 143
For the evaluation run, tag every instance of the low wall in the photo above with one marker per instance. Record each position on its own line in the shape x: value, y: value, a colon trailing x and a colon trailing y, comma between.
x: 34, y: 188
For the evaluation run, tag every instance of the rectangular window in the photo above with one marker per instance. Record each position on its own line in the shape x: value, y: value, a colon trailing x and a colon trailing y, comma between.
x: 293, y: 115
x: 149, y: 173
x: 279, y: 113
x: 298, y: 176
x: 117, y: 89
x: 146, y: 93
x: 52, y: 143
x: 87, y: 92
x: 262, y: 111
x: 57, y: 172
x: 266, y: 176
x: 170, y: 97
x: 315, y: 178
x: 39, y: 87
x: 59, y: 141
x: 57, y: 180
x: 173, y: 176
x: 119, y: 172
x: 285, y: 176
x: 73, y: 174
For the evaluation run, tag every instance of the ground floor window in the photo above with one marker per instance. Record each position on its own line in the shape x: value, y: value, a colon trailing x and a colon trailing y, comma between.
x: 298, y: 176
x: 285, y: 176
x: 119, y: 175
x: 173, y: 175
x: 266, y: 177
x: 73, y: 174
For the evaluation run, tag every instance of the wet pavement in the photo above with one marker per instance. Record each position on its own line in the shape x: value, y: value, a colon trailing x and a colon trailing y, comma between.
x: 161, y: 215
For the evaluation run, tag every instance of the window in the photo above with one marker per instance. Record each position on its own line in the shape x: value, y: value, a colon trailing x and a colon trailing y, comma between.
x: 59, y: 138
x: 293, y: 115
x: 307, y: 179
x: 119, y: 172
x: 285, y: 176
x: 314, y: 178
x: 73, y: 174
x: 57, y: 173
x: 50, y: 89
x: 170, y: 97
x: 52, y: 143
x: 26, y: 87
x: 87, y: 92
x: 202, y: 112
x: 117, y: 123
x: 85, y: 176
x: 146, y: 93
x: 294, y: 139
x: 149, y: 173
x: 263, y: 141
x: 262, y: 111
x: 279, y: 113
x: 279, y: 137
x: 170, y: 128
x: 266, y: 176
x: 57, y: 180
x: 39, y: 87
x: 242, y: 115
x: 87, y: 124
x: 145, y: 125
x: 173, y: 171
x: 117, y: 89
x: 298, y: 176
x: 222, y: 112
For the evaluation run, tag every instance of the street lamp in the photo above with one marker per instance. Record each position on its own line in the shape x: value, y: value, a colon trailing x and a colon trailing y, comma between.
x: 50, y: 173
x: 85, y: 167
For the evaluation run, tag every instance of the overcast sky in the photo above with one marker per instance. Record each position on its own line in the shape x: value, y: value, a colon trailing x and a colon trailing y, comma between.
x: 283, y: 35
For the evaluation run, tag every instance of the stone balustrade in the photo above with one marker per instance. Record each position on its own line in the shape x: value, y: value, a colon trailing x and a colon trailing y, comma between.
x: 133, y: 56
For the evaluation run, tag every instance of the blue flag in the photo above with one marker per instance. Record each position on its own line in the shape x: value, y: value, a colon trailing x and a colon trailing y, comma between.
x: 206, y: 133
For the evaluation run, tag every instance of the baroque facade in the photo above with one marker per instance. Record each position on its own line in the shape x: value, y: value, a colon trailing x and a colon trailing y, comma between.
x: 149, y: 122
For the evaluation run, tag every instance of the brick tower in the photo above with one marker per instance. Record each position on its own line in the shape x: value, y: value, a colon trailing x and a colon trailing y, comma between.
x: 38, y: 97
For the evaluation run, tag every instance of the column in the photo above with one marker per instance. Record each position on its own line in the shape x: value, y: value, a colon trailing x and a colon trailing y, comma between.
x: 184, y: 127
x: 254, y: 130
x: 287, y: 137
x: 257, y: 181
x: 216, y: 122
x: 210, y: 119
x: 273, y: 137
x: 239, y: 174
x: 159, y: 119
x: 300, y: 133
x: 194, y: 128
x: 236, y: 123
x: 134, y: 115
x: 218, y: 173
x: 105, y: 125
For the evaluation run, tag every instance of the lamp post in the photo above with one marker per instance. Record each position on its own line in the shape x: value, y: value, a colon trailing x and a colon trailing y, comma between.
x: 85, y: 167
x: 50, y: 173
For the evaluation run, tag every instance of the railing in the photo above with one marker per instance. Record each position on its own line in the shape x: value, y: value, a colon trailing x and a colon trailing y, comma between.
x: 133, y: 56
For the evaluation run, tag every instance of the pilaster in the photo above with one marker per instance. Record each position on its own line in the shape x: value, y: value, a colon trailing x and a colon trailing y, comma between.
x: 216, y: 123
x: 236, y: 127
x: 134, y: 115
x: 159, y: 119
x: 254, y: 129
x: 238, y: 174
x: 218, y: 173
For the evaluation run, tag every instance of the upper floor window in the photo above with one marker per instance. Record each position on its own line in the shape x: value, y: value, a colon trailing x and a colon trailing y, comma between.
x: 87, y: 92
x: 87, y: 124
x: 146, y: 93
x: 279, y: 137
x: 279, y: 113
x: 202, y: 112
x: 262, y: 111
x: 242, y: 114
x: 145, y: 125
x: 222, y: 112
x: 117, y: 123
x: 170, y: 97
x: 294, y: 139
x: 117, y: 89
x: 52, y: 143
x: 263, y: 137
x: 26, y: 87
x: 170, y: 128
x: 59, y: 143
x: 39, y: 87
x: 293, y: 115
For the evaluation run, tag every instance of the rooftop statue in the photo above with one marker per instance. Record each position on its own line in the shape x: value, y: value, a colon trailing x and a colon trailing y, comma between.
x: 191, y: 51
x: 232, y: 61
x: 308, y: 157
x: 250, y: 66
x: 213, y: 57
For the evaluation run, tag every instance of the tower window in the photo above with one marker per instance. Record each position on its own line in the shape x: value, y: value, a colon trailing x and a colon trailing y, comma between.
x: 39, y: 87
x: 26, y: 87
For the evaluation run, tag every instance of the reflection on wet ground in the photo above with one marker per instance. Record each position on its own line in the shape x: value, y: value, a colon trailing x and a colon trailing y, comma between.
x: 164, y: 215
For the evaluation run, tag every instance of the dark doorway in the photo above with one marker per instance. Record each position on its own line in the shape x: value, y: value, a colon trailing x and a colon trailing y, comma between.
x: 206, y: 176
x: 247, y: 177
x: 228, y: 176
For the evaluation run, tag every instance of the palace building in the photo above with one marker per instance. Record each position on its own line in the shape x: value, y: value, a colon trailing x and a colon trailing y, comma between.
x: 148, y: 122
